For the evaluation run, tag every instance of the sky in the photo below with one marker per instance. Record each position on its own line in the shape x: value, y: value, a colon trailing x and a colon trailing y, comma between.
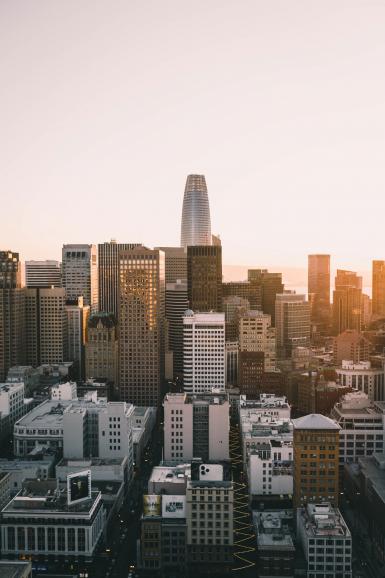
x: 106, y: 106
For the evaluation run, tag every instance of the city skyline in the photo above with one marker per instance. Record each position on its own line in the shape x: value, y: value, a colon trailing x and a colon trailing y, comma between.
x: 286, y: 133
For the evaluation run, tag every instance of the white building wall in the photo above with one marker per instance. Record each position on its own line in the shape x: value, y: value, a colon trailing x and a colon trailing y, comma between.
x: 73, y: 433
x: 178, y: 413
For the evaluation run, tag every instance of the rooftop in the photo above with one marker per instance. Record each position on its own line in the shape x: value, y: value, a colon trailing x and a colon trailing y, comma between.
x: 14, y: 569
x: 174, y: 474
x: 315, y: 421
x: 323, y: 520
x: 272, y: 529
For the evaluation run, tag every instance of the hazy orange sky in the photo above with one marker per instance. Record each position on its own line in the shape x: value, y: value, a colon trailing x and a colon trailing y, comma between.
x: 106, y: 106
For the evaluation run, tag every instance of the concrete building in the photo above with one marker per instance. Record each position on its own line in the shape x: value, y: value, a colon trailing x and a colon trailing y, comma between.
x: 196, y: 222
x: 54, y: 527
x: 46, y: 326
x: 209, y: 517
x: 77, y: 318
x: 292, y: 321
x: 326, y: 541
x: 270, y: 286
x: 102, y: 347
x: 251, y: 292
x: 204, y: 361
x: 378, y: 289
x: 176, y: 305
x: 108, y: 274
x: 275, y: 545
x: 40, y: 274
x: 82, y: 428
x: 319, y: 292
x: 316, y: 460
x: 141, y: 325
x: 196, y: 426
x: 316, y: 394
x: 351, y: 345
x: 364, y: 377
x: 365, y: 489
x: 362, y: 425
x: 12, y: 406
x: 20, y: 470
x: 80, y: 274
x: 234, y: 307
x: 12, y: 312
x: 232, y: 354
x: 257, y: 335
x: 24, y: 374
x: 204, y: 278
x: 347, y: 302
x: 64, y: 391
x: 175, y: 260
x: 251, y: 367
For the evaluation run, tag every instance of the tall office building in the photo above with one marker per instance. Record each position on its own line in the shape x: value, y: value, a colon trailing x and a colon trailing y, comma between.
x: 347, y: 301
x: 257, y: 334
x: 43, y: 274
x: 234, y: 307
x: 76, y: 323
x: 175, y: 263
x: 141, y: 325
x: 319, y: 291
x: 292, y: 322
x: 316, y: 460
x: 244, y: 290
x: 378, y: 288
x: 204, y: 278
x: 204, y: 358
x: 196, y: 223
x: 176, y: 305
x: 270, y: 285
x: 102, y: 347
x: 108, y: 274
x: 80, y: 273
x: 46, y: 326
x: 11, y: 313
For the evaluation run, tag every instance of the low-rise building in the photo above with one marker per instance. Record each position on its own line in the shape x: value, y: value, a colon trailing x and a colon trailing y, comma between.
x: 326, y: 541
x: 40, y: 522
x: 15, y: 569
x: 64, y: 391
x: 362, y: 425
x: 364, y: 377
x: 275, y: 545
x: 12, y: 406
x: 20, y: 470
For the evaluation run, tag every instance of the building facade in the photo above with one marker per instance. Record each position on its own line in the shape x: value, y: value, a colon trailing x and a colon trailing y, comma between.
x: 77, y: 315
x: 319, y: 291
x: 204, y: 278
x: 42, y: 274
x: 196, y: 222
x: 204, y: 360
x: 292, y: 321
x: 176, y: 305
x: 141, y: 325
x: 80, y: 273
x: 102, y: 347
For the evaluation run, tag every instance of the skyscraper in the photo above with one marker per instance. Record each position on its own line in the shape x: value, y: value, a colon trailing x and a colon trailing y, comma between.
x: 141, y: 325
x: 204, y: 278
x: 176, y: 305
x: 196, y: 223
x: 319, y: 291
x: 270, y: 285
x: 46, y: 325
x: 80, y: 273
x: 347, y: 301
x: 292, y: 322
x: 108, y: 274
x: 257, y: 335
x: 378, y: 288
x: 204, y: 358
x: 11, y: 313
x: 175, y: 263
x: 76, y: 324
x: 43, y: 274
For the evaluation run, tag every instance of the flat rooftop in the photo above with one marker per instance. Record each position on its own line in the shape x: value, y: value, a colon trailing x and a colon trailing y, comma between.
x: 171, y: 474
x: 14, y: 569
x: 323, y: 520
x: 272, y: 529
x: 91, y: 462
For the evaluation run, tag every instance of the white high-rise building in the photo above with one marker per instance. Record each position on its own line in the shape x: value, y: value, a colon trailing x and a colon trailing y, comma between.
x: 196, y: 426
x: 196, y: 223
x: 42, y: 274
x: 80, y: 273
x: 204, y: 356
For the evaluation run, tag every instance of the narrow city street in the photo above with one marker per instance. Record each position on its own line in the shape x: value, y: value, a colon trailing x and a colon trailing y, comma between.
x: 244, y: 537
